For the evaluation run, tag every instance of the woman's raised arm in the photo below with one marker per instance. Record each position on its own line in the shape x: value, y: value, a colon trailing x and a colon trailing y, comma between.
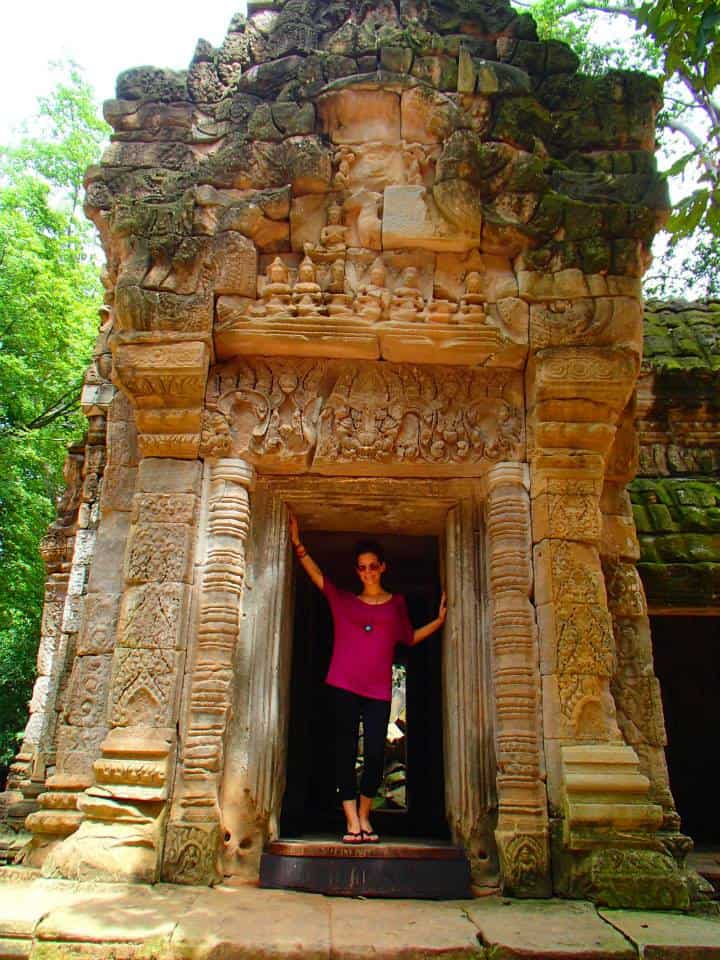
x: 306, y: 561
x: 423, y: 632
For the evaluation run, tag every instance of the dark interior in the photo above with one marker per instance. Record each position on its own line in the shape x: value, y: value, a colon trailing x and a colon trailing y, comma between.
x: 687, y: 663
x: 310, y: 806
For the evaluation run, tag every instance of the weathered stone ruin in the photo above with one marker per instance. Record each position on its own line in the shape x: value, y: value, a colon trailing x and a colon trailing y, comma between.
x: 381, y: 264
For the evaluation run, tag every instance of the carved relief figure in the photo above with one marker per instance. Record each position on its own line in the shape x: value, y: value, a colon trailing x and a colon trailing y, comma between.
x: 307, y: 295
x: 339, y: 301
x: 277, y: 292
x: 472, y: 303
x: 407, y: 304
x: 373, y: 298
x: 272, y: 410
x: 431, y: 415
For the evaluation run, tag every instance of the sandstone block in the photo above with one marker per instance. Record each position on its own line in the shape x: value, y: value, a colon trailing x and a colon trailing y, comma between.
x: 118, y: 487
x: 667, y: 936
x: 446, y: 931
x: 164, y: 508
x: 169, y: 476
x: 153, y: 616
x: 308, y: 215
x: 411, y: 219
x: 170, y: 375
x: 138, y: 309
x: 99, y: 624
x: 564, y: 285
x: 235, y: 257
x: 143, y: 687
x: 619, y: 538
x: 556, y: 929
x: 87, y: 690
x: 361, y: 116
x: 159, y: 552
x: 427, y: 117
x: 106, y: 572
x: 566, y: 515
x: 570, y: 571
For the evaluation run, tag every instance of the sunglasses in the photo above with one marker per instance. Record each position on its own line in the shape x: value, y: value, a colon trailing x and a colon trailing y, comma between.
x: 371, y: 567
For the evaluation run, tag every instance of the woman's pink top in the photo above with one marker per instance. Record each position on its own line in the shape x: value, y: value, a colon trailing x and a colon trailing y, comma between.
x: 364, y: 641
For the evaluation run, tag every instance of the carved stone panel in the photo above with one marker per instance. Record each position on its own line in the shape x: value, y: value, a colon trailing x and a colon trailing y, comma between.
x: 352, y: 418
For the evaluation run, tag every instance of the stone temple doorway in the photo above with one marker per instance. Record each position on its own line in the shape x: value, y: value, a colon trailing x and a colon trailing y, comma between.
x: 411, y: 801
x: 261, y: 748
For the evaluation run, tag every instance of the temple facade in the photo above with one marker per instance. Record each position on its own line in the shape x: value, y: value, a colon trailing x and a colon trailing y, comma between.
x: 379, y: 265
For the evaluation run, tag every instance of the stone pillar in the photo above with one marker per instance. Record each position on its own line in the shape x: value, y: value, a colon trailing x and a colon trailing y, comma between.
x: 194, y: 834
x: 634, y: 686
x: 522, y: 827
x: 125, y: 808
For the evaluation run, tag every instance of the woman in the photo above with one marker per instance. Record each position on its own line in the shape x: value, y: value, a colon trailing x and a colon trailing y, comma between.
x: 366, y: 628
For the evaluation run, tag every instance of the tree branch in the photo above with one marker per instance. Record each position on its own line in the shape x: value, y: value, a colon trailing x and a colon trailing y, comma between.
x: 58, y: 408
x: 580, y: 5
x: 697, y: 142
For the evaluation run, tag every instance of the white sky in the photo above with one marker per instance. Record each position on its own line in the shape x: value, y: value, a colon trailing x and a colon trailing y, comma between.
x: 104, y: 39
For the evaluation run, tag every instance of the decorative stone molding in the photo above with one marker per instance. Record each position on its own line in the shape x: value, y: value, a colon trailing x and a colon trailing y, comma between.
x: 166, y: 383
x: 194, y: 831
x: 522, y: 828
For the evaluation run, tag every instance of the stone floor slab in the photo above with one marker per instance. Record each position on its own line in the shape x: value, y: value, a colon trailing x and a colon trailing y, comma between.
x: 244, y: 923
x: 24, y: 905
x: 117, y: 913
x: 401, y: 930
x: 546, y: 930
x: 668, y: 936
x: 14, y: 949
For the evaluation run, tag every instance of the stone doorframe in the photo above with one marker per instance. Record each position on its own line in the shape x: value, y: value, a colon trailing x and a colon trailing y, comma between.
x: 487, y: 699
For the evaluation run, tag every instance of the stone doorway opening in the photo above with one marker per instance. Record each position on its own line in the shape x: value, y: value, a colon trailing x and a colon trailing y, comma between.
x: 449, y: 513
x: 685, y: 651
x: 410, y: 802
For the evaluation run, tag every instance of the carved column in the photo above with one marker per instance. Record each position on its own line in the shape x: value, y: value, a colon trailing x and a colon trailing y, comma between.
x: 125, y: 808
x: 522, y: 828
x: 467, y: 695
x: 194, y: 834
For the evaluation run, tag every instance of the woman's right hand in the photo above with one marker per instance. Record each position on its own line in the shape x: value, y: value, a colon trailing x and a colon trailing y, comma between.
x: 294, y: 530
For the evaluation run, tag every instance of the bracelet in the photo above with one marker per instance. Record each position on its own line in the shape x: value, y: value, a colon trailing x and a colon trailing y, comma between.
x: 300, y: 551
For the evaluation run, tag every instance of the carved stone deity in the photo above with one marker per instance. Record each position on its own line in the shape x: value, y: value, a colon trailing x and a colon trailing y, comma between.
x: 333, y: 238
x: 472, y: 304
x: 339, y: 301
x: 408, y: 305
x: 442, y: 309
x: 373, y: 298
x: 277, y: 298
x: 307, y: 294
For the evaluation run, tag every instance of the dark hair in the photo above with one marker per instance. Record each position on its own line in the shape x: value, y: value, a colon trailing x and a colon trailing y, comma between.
x: 369, y: 546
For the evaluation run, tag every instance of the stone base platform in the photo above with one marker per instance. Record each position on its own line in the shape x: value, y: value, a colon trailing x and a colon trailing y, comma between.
x: 45, y: 919
x: 406, y: 869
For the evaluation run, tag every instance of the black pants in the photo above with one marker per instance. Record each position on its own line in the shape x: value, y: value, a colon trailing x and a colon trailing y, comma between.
x: 350, y: 708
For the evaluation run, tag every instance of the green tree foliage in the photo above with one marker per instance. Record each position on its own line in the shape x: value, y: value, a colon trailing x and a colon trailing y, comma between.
x: 49, y: 297
x: 678, y: 40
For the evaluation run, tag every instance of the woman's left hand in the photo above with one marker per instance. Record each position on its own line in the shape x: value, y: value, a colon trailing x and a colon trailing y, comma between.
x: 442, y: 610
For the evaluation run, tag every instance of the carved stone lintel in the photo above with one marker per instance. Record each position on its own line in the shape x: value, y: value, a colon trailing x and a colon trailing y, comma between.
x: 354, y: 418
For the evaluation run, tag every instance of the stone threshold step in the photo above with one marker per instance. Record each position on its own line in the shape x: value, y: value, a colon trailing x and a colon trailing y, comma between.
x: 406, y: 869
